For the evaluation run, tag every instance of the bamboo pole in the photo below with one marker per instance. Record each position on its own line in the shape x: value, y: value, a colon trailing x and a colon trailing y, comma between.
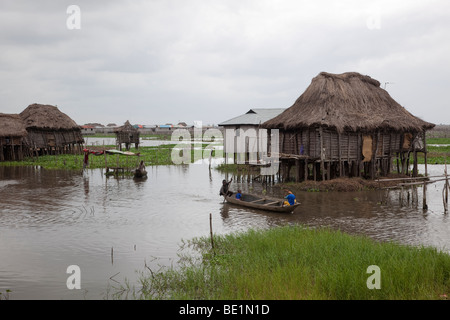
x: 422, y: 182
x: 409, y: 178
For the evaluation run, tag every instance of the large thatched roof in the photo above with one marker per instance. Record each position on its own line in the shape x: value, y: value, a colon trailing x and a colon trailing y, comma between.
x: 347, y: 102
x: 11, y: 125
x: 47, y: 117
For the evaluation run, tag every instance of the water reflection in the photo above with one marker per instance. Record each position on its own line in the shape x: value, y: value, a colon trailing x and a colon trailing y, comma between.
x: 51, y: 219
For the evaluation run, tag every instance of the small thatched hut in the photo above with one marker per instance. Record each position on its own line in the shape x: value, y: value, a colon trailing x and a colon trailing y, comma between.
x: 12, y: 137
x: 127, y: 134
x: 347, y: 125
x: 50, y: 130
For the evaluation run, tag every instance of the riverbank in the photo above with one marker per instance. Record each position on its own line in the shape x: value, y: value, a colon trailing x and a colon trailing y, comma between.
x: 295, y: 262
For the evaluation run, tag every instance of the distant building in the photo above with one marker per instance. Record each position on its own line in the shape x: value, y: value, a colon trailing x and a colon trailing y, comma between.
x: 87, y: 129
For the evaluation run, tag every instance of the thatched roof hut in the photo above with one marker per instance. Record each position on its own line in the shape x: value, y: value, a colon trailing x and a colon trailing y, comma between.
x: 127, y: 134
x: 50, y: 129
x: 47, y: 117
x: 348, y: 124
x: 11, y: 125
x: 12, y: 137
x: 347, y: 102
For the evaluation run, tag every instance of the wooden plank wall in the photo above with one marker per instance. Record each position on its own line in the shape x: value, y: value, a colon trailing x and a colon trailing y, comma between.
x: 342, y: 154
x: 344, y: 146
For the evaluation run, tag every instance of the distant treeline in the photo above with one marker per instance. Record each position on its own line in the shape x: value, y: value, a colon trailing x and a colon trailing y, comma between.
x: 440, y: 131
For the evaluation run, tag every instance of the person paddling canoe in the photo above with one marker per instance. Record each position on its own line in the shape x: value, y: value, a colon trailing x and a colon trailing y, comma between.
x: 224, y: 190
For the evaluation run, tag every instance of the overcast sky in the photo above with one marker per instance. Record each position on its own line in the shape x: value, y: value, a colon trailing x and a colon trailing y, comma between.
x: 165, y: 61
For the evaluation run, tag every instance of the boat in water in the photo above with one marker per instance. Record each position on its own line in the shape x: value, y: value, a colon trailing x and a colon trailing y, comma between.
x: 262, y: 203
x: 140, y: 173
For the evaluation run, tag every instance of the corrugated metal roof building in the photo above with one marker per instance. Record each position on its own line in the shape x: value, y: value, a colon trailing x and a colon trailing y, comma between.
x: 243, y: 140
x: 254, y: 117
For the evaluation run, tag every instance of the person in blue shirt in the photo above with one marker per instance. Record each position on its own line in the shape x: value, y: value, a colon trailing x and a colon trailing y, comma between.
x: 239, y: 194
x: 290, y: 198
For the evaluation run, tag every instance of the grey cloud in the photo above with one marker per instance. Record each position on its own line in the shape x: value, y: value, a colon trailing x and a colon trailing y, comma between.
x: 214, y: 59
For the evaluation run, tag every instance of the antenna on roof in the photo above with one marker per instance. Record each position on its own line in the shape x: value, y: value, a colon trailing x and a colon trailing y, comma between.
x: 386, y: 83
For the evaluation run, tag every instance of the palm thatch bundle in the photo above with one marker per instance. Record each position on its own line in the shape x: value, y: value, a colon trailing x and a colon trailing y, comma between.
x: 11, y: 125
x: 347, y: 102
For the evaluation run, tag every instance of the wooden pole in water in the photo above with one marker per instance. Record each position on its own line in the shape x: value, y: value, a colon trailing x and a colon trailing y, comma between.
x: 445, y: 191
x: 211, y: 232
x: 425, y: 153
x: 425, y: 206
x: 104, y: 154
x: 210, y: 158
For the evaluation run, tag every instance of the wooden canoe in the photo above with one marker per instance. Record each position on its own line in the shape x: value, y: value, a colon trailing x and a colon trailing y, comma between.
x: 262, y: 203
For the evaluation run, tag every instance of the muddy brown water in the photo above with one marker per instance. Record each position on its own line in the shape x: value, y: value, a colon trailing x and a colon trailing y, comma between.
x: 112, y: 227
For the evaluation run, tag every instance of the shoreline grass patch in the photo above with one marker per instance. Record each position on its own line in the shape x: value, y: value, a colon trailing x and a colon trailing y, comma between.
x: 296, y: 262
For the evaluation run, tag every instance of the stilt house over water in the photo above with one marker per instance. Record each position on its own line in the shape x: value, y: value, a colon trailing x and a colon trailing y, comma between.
x: 127, y: 134
x: 51, y: 131
x: 12, y: 137
x: 347, y: 125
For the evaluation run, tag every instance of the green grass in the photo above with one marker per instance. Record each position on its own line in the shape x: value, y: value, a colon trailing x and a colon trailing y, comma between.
x: 234, y: 168
x: 160, y: 155
x: 156, y: 155
x: 435, y: 155
x: 438, y: 140
x: 295, y: 262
